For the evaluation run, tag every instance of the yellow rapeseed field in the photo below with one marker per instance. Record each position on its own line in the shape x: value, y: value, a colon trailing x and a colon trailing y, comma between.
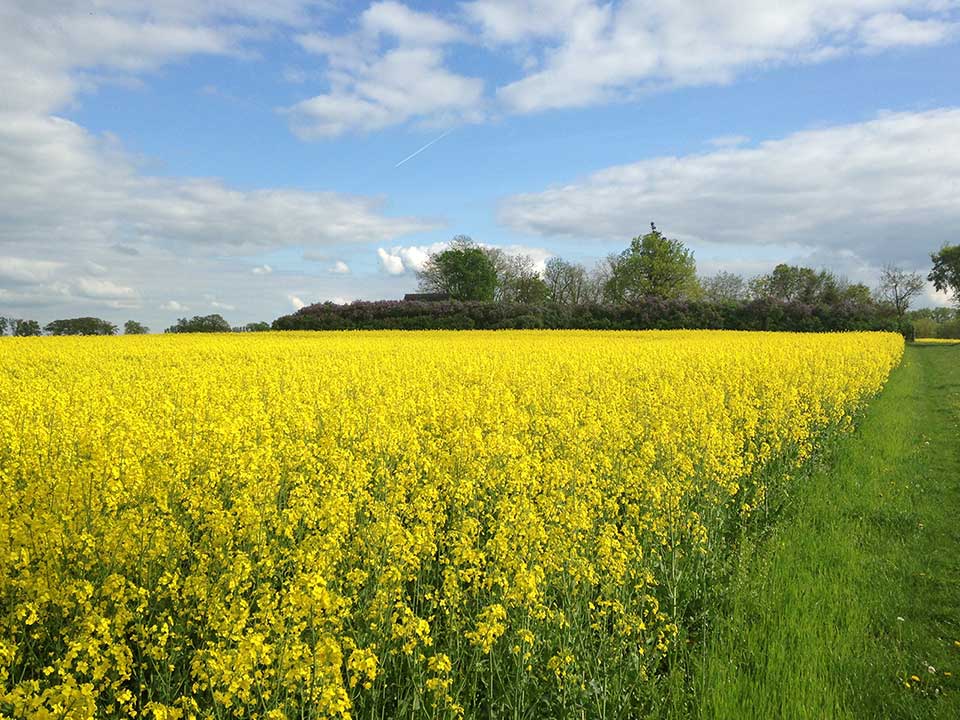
x: 383, y: 524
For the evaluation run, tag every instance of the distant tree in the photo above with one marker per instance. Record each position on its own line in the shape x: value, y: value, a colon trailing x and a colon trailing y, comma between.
x: 566, y: 283
x: 653, y: 266
x: 132, y: 327
x: 255, y: 327
x: 464, y: 271
x: 925, y: 327
x: 200, y: 324
x: 792, y: 283
x: 945, y: 274
x: 855, y: 293
x: 80, y: 326
x: 724, y: 287
x: 26, y: 328
x: 898, y: 287
x: 3, y: 326
x: 517, y: 278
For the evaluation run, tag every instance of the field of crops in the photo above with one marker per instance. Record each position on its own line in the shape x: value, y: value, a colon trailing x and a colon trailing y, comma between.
x: 500, y: 524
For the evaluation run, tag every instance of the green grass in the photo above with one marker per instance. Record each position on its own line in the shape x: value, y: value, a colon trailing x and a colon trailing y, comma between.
x: 856, y: 587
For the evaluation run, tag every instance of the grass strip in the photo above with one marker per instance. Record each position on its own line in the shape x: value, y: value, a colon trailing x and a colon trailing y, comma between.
x: 850, y: 606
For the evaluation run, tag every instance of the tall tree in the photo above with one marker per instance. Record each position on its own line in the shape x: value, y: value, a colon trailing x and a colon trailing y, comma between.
x: 132, y: 327
x: 653, y: 266
x: 26, y: 328
x: 200, y: 324
x: 945, y: 274
x: 3, y: 326
x: 792, y: 283
x: 80, y: 326
x: 898, y: 287
x: 567, y: 283
x: 464, y: 271
x: 724, y: 287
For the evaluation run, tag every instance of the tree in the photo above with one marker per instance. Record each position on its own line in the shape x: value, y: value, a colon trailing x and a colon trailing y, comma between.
x: 855, y: 293
x: 132, y: 327
x: 792, y: 283
x: 200, y: 324
x: 80, y: 326
x: 898, y: 287
x: 724, y: 287
x: 3, y: 326
x: 566, y: 283
x: 25, y: 328
x: 464, y: 271
x: 653, y: 266
x: 255, y: 327
x: 517, y: 278
x: 945, y: 274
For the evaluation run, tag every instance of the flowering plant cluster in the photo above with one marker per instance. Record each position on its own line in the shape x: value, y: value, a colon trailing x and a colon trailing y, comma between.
x: 382, y: 524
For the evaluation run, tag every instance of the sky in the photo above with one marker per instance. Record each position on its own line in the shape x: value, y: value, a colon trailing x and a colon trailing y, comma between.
x: 173, y: 158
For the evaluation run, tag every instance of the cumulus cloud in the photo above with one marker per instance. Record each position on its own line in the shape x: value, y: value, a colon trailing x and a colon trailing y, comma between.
x: 296, y: 302
x: 82, y: 226
x: 885, y: 190
x: 262, y: 270
x: 584, y: 52
x: 390, y: 262
x: 390, y: 70
x: 339, y: 268
x: 400, y: 260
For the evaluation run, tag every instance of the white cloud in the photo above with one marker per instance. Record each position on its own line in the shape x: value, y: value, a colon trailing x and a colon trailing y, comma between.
x: 296, y: 302
x: 103, y: 290
x: 391, y: 70
x: 400, y: 260
x: 885, y: 190
x: 262, y: 270
x: 407, y: 26
x: 61, y: 184
x: 340, y: 268
x: 588, y: 52
x: 895, y: 29
x: 173, y: 306
x: 391, y: 262
x: 25, y: 271
x: 89, y: 229
x: 399, y: 85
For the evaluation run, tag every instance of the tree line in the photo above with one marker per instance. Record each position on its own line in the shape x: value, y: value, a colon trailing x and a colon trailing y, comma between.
x: 654, y: 266
x: 97, y: 326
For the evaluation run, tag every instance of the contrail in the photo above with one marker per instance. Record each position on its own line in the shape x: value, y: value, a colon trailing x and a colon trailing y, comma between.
x: 413, y: 155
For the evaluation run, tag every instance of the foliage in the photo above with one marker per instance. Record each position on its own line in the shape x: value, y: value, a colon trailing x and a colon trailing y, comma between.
x: 132, y: 327
x: 644, y: 314
x: 81, y: 326
x: 653, y: 266
x: 464, y: 270
x: 567, y: 283
x: 945, y: 274
x: 254, y: 327
x: 725, y: 287
x: 24, y: 328
x: 792, y: 283
x: 938, y: 322
x: 200, y: 324
x: 384, y: 524
x: 3, y: 326
x: 898, y: 287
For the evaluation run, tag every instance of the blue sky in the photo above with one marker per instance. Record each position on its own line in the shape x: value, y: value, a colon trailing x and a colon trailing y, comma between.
x: 175, y: 158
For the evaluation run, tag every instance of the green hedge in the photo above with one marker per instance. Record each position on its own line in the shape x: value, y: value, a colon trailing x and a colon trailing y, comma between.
x: 648, y: 314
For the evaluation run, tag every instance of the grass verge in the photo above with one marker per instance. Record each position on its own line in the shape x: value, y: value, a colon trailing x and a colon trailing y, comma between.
x: 850, y: 606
